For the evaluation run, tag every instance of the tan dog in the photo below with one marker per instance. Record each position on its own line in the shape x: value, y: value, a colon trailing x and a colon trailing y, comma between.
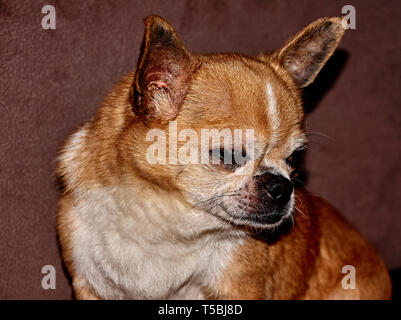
x: 134, y: 225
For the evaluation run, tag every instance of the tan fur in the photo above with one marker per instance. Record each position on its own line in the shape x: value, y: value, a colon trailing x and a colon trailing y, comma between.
x: 131, y: 229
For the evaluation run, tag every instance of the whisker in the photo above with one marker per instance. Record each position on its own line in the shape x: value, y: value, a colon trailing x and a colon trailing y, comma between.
x: 298, y: 180
x: 319, y: 134
x: 215, y: 198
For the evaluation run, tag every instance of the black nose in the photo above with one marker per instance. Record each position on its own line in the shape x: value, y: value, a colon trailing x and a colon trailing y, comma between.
x: 279, y: 189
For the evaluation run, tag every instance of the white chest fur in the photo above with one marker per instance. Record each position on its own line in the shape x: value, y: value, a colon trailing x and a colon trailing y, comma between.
x: 128, y: 247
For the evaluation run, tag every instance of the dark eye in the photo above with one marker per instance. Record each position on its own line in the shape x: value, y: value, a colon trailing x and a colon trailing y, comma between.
x: 294, y: 160
x: 228, y: 159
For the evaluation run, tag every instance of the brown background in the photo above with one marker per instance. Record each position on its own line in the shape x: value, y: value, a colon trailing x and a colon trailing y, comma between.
x: 53, y: 80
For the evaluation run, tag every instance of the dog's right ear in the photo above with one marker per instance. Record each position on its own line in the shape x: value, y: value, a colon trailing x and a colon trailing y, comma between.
x: 163, y: 73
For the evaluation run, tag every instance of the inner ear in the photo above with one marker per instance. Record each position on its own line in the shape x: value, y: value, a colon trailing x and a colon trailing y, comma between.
x: 305, y: 54
x: 163, y: 74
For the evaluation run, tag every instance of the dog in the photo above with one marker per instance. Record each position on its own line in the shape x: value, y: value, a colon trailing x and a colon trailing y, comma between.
x: 133, y: 225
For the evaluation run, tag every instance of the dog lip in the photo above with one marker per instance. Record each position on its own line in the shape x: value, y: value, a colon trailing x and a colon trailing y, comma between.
x: 260, y: 223
x: 261, y: 220
x: 265, y: 218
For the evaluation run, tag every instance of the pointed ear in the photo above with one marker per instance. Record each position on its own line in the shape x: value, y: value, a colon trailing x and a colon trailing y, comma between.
x: 305, y: 54
x: 163, y: 73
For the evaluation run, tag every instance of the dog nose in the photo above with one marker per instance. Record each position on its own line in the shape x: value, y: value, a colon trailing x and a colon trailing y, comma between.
x: 279, y: 189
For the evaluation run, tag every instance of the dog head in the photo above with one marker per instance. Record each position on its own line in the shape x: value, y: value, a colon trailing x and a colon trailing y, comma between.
x: 225, y: 130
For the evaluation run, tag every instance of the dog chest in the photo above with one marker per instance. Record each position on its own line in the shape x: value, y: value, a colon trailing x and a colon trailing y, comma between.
x: 132, y: 254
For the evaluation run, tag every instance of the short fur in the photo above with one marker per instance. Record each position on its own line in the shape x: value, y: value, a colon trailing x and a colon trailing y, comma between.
x: 129, y: 229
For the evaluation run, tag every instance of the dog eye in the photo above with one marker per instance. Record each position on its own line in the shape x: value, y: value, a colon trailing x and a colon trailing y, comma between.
x: 228, y: 159
x: 295, y: 158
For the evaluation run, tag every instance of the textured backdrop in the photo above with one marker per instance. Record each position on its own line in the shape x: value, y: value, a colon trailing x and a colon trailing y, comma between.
x: 53, y: 80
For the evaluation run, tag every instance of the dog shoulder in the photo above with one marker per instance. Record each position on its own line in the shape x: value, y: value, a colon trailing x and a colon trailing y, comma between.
x: 90, y: 152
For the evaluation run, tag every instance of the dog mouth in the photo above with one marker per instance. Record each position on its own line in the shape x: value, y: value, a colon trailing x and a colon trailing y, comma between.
x: 242, y: 210
x: 262, y: 219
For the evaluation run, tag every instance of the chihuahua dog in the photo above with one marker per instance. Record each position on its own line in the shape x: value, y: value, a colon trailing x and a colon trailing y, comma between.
x: 133, y: 225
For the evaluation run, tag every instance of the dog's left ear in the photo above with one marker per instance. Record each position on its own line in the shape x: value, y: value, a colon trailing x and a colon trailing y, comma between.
x: 305, y: 54
x: 163, y: 73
